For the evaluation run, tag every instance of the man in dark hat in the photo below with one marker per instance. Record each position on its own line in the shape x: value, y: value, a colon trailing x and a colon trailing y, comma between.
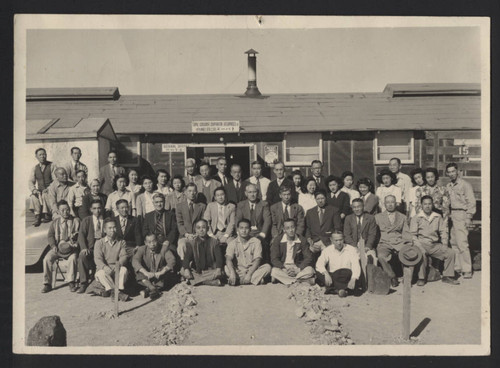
x: 62, y: 236
x: 394, y: 234
x: 431, y: 236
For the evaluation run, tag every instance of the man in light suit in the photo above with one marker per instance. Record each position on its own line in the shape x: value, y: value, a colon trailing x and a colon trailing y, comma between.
x: 163, y: 224
x: 235, y: 190
x: 191, y: 176
x: 273, y: 190
x: 108, y: 172
x: 285, y: 210
x: 75, y: 165
x: 394, y: 234
x: 188, y: 213
x: 321, y: 221
x: 128, y: 227
x: 206, y: 185
x: 91, y: 230
x: 221, y: 172
x: 220, y: 216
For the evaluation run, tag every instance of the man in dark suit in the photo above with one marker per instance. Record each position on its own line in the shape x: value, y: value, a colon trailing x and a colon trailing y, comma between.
x: 273, y: 190
x: 162, y: 223
x: 127, y: 227
x: 290, y: 256
x: 91, y: 230
x: 221, y: 172
x: 187, y: 213
x: 284, y: 210
x: 316, y: 169
x: 108, y: 172
x: 321, y: 221
x: 235, y: 190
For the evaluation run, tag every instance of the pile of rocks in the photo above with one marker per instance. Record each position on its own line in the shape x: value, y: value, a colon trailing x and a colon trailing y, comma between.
x: 317, y: 310
x: 179, y: 312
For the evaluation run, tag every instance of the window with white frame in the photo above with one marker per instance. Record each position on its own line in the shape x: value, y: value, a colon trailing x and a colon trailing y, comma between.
x: 302, y: 148
x: 387, y: 145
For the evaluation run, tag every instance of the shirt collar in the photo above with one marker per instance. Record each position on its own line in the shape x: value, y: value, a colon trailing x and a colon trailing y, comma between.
x: 284, y: 239
x: 109, y: 241
x: 431, y: 216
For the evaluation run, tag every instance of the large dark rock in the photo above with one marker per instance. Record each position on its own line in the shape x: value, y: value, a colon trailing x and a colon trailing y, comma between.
x: 378, y: 281
x: 48, y: 331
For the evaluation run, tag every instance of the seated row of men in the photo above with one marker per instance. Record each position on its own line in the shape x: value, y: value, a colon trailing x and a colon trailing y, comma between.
x: 177, y: 233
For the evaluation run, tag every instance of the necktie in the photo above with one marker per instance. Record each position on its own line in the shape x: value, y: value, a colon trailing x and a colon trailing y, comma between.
x: 237, y: 185
x: 321, y: 216
x: 220, y: 219
x: 64, y: 232
x: 159, y: 224
x: 358, y: 226
x: 76, y: 169
x: 286, y: 215
x: 224, y: 180
x: 317, y: 181
x: 191, y: 209
x: 98, y: 230
x: 252, y: 215
x: 124, y: 223
x: 153, y: 267
x: 258, y: 188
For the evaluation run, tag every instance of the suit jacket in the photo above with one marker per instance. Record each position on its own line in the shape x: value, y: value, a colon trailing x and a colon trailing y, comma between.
x: 87, y: 203
x: 216, y: 177
x: 106, y: 177
x: 393, y: 235
x: 213, y: 255
x: 273, y: 191
x: 212, y: 214
x: 213, y: 185
x: 371, y: 204
x: 86, y: 239
x: 369, y: 230
x: 54, y: 234
x: 322, y: 183
x: 295, y: 211
x: 132, y: 234
x: 342, y: 202
x: 196, y: 178
x: 170, y: 231
x: 70, y: 169
x: 235, y: 196
x: 185, y: 223
x: 142, y: 259
x: 323, y: 232
x: 302, y: 255
x: 262, y: 214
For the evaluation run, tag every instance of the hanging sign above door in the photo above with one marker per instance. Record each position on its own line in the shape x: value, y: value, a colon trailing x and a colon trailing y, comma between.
x: 215, y: 126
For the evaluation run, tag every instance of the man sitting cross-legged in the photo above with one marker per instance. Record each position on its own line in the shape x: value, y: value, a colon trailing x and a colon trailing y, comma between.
x: 109, y: 251
x: 291, y: 257
x: 202, y: 263
x: 244, y: 258
x: 431, y: 236
x: 338, y: 266
x: 153, y: 269
x: 62, y: 236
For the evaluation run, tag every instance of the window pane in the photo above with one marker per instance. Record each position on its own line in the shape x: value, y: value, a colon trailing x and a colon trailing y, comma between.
x: 127, y: 149
x: 302, y: 147
x: 394, y: 144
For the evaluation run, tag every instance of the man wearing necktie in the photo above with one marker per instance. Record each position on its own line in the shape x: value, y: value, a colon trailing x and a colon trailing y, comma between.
x: 234, y: 189
x: 91, y: 230
x: 261, y: 182
x: 128, y: 227
x: 75, y: 164
x: 284, y: 210
x: 108, y: 172
x: 273, y: 190
x: 221, y: 171
x: 316, y: 169
x: 220, y: 216
x: 62, y: 237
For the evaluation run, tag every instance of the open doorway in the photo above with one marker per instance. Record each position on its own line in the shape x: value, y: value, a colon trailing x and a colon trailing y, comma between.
x: 239, y: 154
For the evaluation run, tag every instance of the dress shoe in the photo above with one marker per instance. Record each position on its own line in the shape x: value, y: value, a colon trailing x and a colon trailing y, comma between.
x: 420, y: 282
x: 46, y: 218
x: 467, y: 275
x: 82, y: 288
x: 154, y: 294
x: 394, y: 282
x: 213, y: 282
x: 46, y: 288
x: 37, y: 221
x: 450, y: 280
x: 342, y: 293
x: 73, y: 287
x: 123, y: 297
x: 106, y: 293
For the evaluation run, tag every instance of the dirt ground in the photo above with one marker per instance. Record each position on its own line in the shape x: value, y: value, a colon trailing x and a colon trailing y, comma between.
x: 262, y: 315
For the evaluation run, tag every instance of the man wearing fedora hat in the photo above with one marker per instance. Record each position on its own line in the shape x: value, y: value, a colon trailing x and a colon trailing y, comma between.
x: 62, y: 236
x: 394, y: 234
x: 431, y: 236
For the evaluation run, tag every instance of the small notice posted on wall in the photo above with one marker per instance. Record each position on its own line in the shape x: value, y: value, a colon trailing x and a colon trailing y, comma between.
x: 170, y: 147
x: 215, y: 126
x: 270, y: 153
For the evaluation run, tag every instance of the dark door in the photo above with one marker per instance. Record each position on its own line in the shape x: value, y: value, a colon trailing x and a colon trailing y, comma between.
x: 241, y: 156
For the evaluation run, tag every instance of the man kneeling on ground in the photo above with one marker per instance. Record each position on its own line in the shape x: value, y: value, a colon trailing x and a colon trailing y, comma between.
x: 153, y: 270
x: 244, y: 258
x: 107, y: 252
x: 202, y: 263
x: 291, y: 257
x: 338, y: 266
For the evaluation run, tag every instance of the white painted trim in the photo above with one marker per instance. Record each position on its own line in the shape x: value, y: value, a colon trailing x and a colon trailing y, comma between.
x: 249, y: 145
x: 386, y: 162
x: 302, y: 163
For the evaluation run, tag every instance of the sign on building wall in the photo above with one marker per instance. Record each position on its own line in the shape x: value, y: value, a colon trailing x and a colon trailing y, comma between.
x: 215, y: 126
x: 270, y: 153
x: 169, y: 147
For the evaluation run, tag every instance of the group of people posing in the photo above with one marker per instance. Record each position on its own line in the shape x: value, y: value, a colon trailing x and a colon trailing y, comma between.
x: 221, y: 229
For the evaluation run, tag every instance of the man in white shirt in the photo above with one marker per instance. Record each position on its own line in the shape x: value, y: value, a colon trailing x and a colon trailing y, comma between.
x: 260, y: 181
x: 338, y: 266
x: 221, y: 171
x: 404, y: 181
x: 75, y: 165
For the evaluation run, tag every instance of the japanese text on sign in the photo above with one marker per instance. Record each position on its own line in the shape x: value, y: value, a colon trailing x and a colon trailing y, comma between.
x: 215, y: 126
x: 169, y: 147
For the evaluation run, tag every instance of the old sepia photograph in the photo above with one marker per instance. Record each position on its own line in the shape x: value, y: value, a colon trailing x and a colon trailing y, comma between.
x: 251, y: 185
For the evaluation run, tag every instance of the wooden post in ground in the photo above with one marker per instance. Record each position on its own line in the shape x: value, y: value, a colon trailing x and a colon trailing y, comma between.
x: 407, y: 276
x: 117, y: 291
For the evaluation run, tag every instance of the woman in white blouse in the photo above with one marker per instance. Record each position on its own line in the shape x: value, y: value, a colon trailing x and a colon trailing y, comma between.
x: 388, y: 180
x: 306, y: 200
x: 177, y: 195
x: 133, y: 180
x: 120, y: 183
x: 348, y: 178
x: 144, y: 200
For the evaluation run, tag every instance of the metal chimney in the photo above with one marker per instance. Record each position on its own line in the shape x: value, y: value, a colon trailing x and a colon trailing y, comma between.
x: 252, y: 90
